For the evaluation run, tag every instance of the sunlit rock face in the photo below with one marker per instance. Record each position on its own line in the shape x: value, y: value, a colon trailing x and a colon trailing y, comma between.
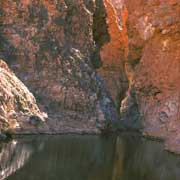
x: 153, y: 69
x: 17, y: 105
x: 49, y: 45
x: 114, y: 53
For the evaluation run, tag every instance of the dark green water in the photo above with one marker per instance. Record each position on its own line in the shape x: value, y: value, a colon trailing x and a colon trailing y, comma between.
x: 74, y: 157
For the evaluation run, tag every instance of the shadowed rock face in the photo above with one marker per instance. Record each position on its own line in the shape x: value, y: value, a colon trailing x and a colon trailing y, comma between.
x: 50, y: 46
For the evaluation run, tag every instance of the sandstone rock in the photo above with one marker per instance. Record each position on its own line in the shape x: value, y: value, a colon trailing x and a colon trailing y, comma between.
x: 55, y: 47
x: 153, y: 68
x: 16, y: 101
x: 51, y: 51
x: 35, y: 120
x: 114, y: 52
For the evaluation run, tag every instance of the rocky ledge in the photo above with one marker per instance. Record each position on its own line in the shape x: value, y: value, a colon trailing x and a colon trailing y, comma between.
x: 20, y: 113
x: 18, y: 108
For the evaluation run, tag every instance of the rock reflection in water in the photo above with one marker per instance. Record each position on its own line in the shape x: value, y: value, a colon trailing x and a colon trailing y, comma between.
x: 140, y: 159
x: 69, y: 157
x: 13, y: 156
x: 72, y: 157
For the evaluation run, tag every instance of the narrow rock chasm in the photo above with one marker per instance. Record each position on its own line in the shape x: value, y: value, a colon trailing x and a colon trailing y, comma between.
x: 100, y: 32
x: 142, y: 64
x: 112, y: 43
x: 153, y: 70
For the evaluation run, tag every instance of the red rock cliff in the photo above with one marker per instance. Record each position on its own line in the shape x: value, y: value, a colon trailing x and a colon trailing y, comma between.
x: 154, y: 68
x: 49, y: 45
x: 114, y: 53
x: 144, y: 45
x: 134, y: 45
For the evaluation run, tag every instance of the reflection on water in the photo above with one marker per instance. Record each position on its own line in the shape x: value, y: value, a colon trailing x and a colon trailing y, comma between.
x: 13, y: 156
x: 73, y: 157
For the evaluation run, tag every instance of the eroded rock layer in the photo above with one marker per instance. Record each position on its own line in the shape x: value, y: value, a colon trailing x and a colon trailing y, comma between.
x: 54, y: 47
x: 18, y: 108
x: 153, y: 69
x: 114, y: 53
x: 144, y: 46
x: 50, y: 47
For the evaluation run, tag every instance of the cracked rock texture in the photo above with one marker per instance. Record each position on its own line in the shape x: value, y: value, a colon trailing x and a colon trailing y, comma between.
x: 114, y: 52
x: 17, y: 105
x: 153, y: 69
x: 49, y: 45
x: 62, y: 50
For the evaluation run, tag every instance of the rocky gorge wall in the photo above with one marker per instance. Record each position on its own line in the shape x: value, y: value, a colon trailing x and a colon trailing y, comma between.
x: 86, y: 61
x: 49, y: 45
x: 153, y: 68
x: 18, y: 108
x: 141, y: 62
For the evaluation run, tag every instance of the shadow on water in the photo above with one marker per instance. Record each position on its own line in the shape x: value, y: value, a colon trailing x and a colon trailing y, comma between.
x: 74, y: 157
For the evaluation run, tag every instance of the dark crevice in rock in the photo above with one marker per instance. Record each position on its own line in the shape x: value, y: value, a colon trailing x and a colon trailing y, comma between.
x: 100, y: 32
x: 130, y: 117
x: 133, y: 63
x: 89, y: 5
x: 38, y: 13
x: 7, y: 50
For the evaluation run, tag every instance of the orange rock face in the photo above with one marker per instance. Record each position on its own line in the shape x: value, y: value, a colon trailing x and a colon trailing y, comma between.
x: 114, y: 53
x: 52, y: 45
x: 153, y: 67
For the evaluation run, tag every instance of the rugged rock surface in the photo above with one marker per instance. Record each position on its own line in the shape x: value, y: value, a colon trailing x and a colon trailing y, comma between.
x: 153, y: 69
x: 17, y: 105
x: 144, y: 46
x: 50, y: 47
x: 114, y: 52
x: 55, y: 46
